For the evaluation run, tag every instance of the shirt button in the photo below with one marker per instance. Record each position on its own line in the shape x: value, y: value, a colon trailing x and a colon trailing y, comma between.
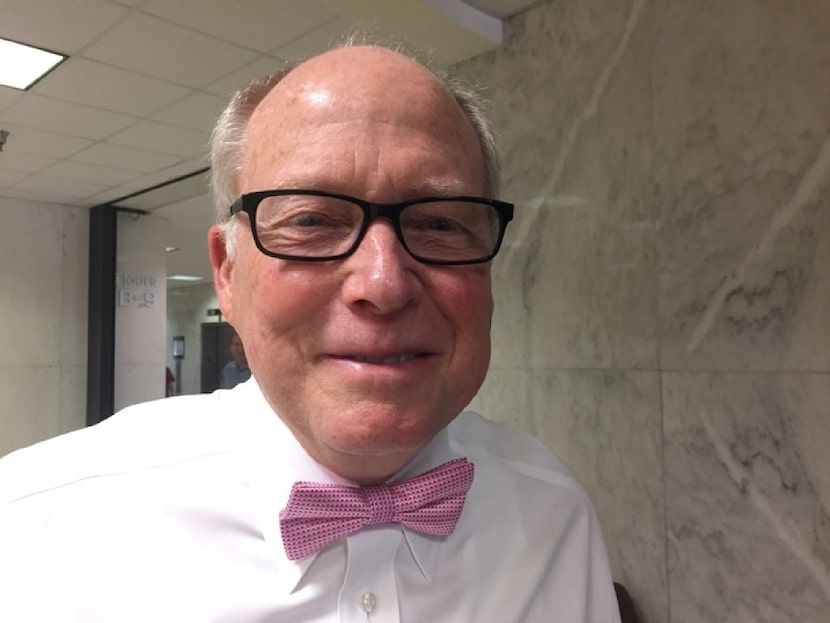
x: 368, y: 602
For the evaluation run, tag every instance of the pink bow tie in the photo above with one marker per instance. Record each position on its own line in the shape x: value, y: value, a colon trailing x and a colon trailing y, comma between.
x: 318, y: 514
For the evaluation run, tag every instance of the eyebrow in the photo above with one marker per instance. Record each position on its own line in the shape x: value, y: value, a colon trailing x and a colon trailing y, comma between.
x: 440, y: 188
x: 423, y: 188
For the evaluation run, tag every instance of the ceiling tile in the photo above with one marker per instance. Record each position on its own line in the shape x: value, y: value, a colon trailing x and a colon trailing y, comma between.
x: 163, y: 138
x: 110, y: 195
x: 174, y: 53
x: 24, y: 163
x: 28, y: 141
x: 43, y: 113
x: 318, y: 40
x: 7, y: 178
x: 264, y: 24
x: 241, y: 77
x: 148, y: 181
x: 125, y: 157
x: 92, y: 173
x: 58, y: 187
x: 58, y: 25
x: 197, y: 111
x: 88, y: 82
x: 7, y: 97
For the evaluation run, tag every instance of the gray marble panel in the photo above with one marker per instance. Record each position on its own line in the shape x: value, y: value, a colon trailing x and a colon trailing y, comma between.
x: 742, y: 172
x: 606, y: 426
x: 748, y: 496
x: 569, y: 95
x: 505, y: 397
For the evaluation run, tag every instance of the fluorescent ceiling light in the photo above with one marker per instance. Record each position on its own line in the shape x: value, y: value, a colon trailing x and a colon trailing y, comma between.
x: 22, y: 65
x: 184, y: 278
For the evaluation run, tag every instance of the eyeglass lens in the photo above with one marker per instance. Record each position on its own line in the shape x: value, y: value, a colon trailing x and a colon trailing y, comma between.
x: 319, y: 226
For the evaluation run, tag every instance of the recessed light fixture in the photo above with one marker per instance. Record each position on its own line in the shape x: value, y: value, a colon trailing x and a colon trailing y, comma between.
x: 22, y: 65
x: 184, y: 278
x: 171, y: 249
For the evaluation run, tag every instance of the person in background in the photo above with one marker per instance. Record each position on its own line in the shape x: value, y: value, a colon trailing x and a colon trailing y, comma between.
x: 169, y: 382
x: 236, y: 370
x: 358, y: 216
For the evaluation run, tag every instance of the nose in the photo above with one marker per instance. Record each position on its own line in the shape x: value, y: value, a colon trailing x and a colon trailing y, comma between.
x: 382, y: 277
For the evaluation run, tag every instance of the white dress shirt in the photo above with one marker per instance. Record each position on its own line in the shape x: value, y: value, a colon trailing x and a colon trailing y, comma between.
x: 168, y: 511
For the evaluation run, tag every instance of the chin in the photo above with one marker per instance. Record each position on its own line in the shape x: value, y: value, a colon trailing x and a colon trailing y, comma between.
x: 385, y: 438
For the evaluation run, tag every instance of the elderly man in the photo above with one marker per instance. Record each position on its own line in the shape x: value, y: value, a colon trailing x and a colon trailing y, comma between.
x: 341, y: 484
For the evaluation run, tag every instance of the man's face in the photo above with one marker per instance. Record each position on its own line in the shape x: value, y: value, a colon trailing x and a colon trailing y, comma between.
x: 368, y: 357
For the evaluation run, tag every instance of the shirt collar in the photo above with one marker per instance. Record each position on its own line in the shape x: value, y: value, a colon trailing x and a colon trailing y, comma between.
x: 424, y: 548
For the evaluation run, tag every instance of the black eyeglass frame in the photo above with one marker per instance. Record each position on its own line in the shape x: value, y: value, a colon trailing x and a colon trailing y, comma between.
x: 249, y: 202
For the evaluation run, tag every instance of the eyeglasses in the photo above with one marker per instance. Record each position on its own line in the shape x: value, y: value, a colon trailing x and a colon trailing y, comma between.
x: 316, y: 226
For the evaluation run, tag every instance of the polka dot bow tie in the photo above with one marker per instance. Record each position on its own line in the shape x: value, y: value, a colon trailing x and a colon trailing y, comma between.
x: 318, y: 514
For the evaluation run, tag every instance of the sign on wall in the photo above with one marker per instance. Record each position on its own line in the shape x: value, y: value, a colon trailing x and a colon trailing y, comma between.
x: 140, y: 310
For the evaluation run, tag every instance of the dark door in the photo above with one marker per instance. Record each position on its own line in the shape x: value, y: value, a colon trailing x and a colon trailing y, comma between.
x: 216, y: 336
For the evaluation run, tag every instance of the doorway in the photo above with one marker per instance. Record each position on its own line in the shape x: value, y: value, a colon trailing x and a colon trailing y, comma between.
x: 216, y: 337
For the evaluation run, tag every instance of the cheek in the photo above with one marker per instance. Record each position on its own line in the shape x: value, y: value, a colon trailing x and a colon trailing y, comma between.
x: 471, y: 296
x: 254, y: 303
x: 282, y: 302
x: 467, y: 303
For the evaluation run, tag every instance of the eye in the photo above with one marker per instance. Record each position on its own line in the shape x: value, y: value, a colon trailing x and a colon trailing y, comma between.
x: 308, y: 220
x: 439, y: 224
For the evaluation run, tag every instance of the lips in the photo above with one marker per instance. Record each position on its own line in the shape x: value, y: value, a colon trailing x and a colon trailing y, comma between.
x: 383, y: 360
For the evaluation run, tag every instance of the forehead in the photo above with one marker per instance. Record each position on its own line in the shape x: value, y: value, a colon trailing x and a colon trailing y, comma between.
x: 362, y: 104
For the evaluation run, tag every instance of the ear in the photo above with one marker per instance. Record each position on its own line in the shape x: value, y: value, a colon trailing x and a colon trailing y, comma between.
x: 222, y: 270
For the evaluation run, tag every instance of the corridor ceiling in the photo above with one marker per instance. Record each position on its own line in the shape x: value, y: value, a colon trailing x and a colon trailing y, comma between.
x: 132, y: 107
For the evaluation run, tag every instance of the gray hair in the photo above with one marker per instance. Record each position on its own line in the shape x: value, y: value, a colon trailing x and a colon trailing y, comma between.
x: 230, y: 133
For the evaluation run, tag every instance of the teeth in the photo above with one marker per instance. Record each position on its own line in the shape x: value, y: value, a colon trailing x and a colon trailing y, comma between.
x: 385, y: 360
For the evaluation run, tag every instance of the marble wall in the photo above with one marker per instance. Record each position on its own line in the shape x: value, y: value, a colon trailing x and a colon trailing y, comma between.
x: 663, y: 303
x: 43, y: 307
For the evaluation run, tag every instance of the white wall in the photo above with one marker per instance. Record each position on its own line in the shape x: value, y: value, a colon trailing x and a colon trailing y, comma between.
x: 43, y: 321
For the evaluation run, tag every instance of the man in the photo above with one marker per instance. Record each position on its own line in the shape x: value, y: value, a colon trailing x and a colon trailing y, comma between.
x: 355, y: 267
x: 236, y: 371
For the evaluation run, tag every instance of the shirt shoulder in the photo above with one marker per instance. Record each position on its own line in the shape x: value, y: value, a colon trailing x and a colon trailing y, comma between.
x: 505, y: 447
x: 143, y: 436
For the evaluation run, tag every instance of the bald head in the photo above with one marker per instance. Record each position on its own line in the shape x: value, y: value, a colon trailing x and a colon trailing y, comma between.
x: 369, y: 93
x: 349, y: 78
x: 371, y: 67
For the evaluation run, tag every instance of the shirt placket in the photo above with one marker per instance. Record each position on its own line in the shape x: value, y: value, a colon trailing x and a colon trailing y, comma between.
x: 369, y: 592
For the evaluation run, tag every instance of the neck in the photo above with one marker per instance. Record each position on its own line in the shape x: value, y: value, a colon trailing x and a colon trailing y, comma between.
x: 365, y: 470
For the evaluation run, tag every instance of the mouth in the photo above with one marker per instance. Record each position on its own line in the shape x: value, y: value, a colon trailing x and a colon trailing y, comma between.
x: 395, y: 359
